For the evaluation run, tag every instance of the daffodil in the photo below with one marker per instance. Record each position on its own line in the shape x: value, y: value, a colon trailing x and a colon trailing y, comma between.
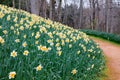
x: 36, y: 42
x: 32, y: 34
x: 49, y: 48
x: 25, y: 36
x: 12, y: 28
x: 24, y: 44
x: 58, y: 48
x: 21, y: 21
x: 51, y: 44
x: 50, y: 35
x: 74, y: 71
x: 49, y: 41
x: 78, y: 52
x: 1, y: 40
x: 57, y: 40
x: 67, y: 40
x: 39, y: 68
x: 1, y: 15
x: 37, y: 35
x: 21, y: 28
x: 59, y: 53
x: 70, y: 45
x: 43, y: 48
x: 63, y: 42
x: 34, y: 26
x: 90, y: 50
x: 26, y: 52
x: 13, y: 53
x: 12, y: 75
x: 17, y: 40
x: 5, y: 32
x: 57, y: 45
x: 8, y: 17
x: 0, y: 27
x: 15, y: 20
x: 93, y: 57
x: 92, y: 66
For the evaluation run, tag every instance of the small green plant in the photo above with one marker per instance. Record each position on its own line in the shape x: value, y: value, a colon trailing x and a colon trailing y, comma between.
x: 33, y: 48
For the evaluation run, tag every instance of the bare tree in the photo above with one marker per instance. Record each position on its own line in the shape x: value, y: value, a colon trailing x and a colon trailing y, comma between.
x: 13, y: 3
x: 102, y: 15
x: 107, y: 14
x: 97, y: 15
x: 93, y: 15
x: 52, y: 9
x: 35, y: 9
x: 59, y: 10
x: 27, y: 5
x: 44, y: 8
x: 65, y: 12
x: 81, y: 12
x: 19, y: 4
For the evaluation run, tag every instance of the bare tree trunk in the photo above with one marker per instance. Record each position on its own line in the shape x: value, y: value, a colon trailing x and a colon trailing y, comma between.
x: 111, y: 17
x: 44, y: 8
x: 98, y: 10
x: 35, y: 9
x: 52, y: 9
x: 13, y: 3
x: 59, y: 10
x: 74, y: 15
x: 93, y: 15
x: 27, y: 5
x: 81, y: 13
x: 107, y: 14
x: 41, y: 7
x: 19, y: 4
x: 50, y: 15
x: 91, y: 21
x: 65, y: 12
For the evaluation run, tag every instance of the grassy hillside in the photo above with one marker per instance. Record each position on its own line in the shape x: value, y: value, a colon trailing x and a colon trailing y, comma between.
x: 33, y: 48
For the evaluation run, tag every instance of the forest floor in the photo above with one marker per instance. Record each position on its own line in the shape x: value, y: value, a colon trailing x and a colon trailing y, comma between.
x: 112, y: 54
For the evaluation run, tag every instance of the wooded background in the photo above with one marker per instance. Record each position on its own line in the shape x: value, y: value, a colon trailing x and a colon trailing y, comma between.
x: 101, y: 15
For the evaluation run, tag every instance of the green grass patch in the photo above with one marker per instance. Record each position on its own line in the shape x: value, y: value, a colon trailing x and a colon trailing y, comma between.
x: 34, y: 48
x: 105, y: 40
x: 108, y: 36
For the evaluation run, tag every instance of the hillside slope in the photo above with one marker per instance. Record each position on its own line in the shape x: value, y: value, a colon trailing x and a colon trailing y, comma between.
x: 33, y: 48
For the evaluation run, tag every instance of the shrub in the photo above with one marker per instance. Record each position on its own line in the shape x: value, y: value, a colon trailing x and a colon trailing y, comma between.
x: 108, y: 36
x: 33, y: 48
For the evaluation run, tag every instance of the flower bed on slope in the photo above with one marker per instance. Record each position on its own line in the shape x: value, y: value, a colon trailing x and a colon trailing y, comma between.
x: 33, y: 48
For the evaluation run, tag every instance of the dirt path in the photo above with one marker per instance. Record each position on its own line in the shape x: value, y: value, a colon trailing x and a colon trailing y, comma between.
x: 112, y: 53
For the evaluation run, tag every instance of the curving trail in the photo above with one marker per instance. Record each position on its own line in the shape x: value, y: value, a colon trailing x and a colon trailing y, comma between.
x: 112, y: 53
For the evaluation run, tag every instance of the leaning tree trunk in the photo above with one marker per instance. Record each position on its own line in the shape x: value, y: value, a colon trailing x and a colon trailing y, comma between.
x: 35, y: 9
